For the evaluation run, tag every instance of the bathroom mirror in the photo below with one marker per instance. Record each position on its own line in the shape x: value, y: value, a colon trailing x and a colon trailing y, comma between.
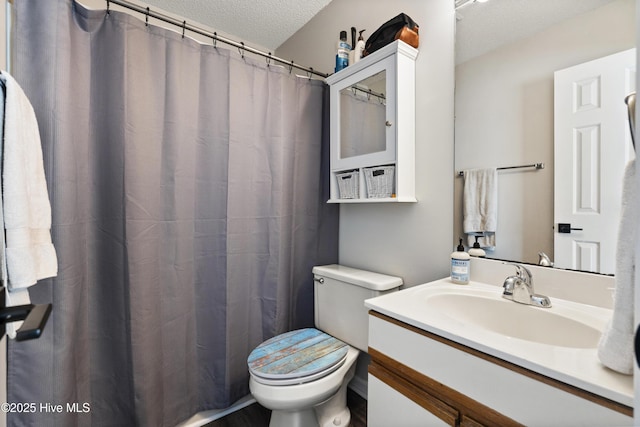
x: 362, y: 117
x: 506, y: 55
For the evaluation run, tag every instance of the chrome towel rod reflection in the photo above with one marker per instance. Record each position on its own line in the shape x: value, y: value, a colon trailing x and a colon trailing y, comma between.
x: 242, y: 48
x: 533, y: 165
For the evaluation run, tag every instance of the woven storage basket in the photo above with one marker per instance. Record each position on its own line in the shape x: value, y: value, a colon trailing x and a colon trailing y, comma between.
x: 379, y: 181
x: 348, y: 184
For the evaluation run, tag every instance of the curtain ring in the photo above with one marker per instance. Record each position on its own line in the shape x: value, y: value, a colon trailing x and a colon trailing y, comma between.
x: 291, y: 67
x: 108, y: 7
x: 241, y: 50
x: 184, y: 27
x: 146, y: 19
x: 268, y: 59
x: 215, y: 39
x: 310, y: 72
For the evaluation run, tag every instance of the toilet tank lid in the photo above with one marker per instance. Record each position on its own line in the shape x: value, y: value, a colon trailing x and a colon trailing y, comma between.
x: 366, y: 279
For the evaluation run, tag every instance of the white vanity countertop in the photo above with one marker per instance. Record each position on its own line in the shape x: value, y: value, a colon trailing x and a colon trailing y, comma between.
x: 579, y: 367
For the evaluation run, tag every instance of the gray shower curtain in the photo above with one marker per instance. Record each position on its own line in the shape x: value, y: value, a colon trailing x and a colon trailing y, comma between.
x: 187, y: 200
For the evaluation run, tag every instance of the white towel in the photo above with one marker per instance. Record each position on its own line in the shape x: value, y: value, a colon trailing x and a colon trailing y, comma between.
x: 30, y: 255
x: 615, y: 349
x: 480, y: 206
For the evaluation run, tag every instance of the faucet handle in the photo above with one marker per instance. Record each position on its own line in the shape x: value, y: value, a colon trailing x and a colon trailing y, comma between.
x: 522, y: 272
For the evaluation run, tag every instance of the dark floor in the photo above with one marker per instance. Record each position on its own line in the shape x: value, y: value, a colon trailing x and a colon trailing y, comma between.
x: 257, y: 416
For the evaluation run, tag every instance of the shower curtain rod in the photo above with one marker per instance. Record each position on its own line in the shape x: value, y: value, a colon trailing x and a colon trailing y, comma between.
x: 368, y: 91
x: 214, y: 36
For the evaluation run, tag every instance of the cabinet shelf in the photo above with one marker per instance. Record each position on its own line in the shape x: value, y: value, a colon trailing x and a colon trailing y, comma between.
x: 375, y: 200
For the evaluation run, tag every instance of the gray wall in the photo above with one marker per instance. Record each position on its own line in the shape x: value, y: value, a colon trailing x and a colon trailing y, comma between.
x: 412, y: 241
x: 504, y: 117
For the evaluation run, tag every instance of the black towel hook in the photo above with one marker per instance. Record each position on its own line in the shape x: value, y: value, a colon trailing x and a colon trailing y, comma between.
x: 35, y: 318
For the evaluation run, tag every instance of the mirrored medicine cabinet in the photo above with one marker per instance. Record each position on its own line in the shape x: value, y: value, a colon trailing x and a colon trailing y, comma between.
x: 372, y: 115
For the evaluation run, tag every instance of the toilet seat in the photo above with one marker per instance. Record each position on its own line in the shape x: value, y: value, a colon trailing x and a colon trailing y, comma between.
x: 296, y: 357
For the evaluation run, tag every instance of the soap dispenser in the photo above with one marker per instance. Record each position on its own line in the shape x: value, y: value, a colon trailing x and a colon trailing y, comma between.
x: 476, y: 250
x: 460, y: 265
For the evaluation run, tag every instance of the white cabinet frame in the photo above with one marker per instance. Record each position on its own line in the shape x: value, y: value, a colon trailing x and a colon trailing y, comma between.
x: 398, y: 61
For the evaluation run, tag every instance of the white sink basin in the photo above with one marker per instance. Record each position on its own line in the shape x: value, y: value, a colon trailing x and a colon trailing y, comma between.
x: 481, y: 308
x: 560, y: 342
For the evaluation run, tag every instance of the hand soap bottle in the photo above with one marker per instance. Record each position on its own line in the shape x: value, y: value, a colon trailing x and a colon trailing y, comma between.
x: 476, y: 250
x: 460, y: 265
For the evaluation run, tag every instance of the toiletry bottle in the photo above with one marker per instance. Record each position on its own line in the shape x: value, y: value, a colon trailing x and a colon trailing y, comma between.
x: 359, y: 49
x: 476, y: 250
x: 460, y: 265
x: 342, y: 54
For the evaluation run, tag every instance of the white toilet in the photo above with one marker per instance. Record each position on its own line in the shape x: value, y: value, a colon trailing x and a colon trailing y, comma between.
x: 302, y: 376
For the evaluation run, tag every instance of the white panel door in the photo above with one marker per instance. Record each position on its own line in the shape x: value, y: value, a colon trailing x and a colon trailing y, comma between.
x: 592, y: 145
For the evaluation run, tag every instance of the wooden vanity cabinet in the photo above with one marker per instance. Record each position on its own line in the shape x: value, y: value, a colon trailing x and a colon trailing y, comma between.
x: 440, y: 405
x: 417, y: 378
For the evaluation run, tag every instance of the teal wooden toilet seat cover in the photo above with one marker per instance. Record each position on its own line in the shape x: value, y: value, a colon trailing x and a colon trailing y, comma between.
x: 297, y: 354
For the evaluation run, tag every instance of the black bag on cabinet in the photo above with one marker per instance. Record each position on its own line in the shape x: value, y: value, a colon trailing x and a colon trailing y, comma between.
x: 402, y: 27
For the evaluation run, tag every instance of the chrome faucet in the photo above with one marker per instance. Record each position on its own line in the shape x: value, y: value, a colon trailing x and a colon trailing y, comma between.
x: 519, y: 288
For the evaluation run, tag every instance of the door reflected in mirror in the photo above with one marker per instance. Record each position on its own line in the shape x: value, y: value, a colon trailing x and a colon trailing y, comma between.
x: 592, y: 146
x: 362, y: 117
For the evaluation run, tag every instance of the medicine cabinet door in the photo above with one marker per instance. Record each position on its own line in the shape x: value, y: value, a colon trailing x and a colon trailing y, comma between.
x: 363, y: 118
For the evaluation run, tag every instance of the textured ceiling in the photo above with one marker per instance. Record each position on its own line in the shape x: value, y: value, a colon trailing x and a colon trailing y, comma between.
x: 482, y: 27
x: 266, y: 23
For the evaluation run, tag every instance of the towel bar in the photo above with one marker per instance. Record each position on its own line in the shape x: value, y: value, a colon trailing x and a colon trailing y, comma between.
x: 533, y: 165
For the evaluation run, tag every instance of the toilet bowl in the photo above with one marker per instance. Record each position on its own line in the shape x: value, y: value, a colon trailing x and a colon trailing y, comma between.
x: 316, y: 399
x: 302, y: 376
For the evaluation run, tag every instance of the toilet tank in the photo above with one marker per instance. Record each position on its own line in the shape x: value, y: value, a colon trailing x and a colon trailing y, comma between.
x: 339, y: 294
